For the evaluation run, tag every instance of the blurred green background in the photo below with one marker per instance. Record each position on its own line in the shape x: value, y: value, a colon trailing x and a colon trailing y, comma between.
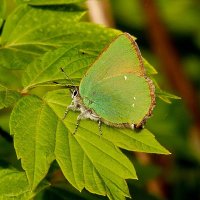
x: 176, y: 176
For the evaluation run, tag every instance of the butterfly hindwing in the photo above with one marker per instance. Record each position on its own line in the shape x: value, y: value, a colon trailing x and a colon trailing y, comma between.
x: 121, y: 99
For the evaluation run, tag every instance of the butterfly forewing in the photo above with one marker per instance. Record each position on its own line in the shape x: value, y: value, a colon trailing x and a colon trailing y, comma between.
x: 115, y: 86
x: 120, y: 57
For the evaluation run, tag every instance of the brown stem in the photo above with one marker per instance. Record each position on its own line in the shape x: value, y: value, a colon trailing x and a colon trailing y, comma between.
x: 169, y: 58
x: 100, y: 12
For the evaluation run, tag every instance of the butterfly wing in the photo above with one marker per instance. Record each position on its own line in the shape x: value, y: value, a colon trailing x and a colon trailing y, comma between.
x: 114, y: 79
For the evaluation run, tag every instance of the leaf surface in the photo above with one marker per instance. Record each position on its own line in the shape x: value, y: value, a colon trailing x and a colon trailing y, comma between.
x: 86, y: 159
x: 7, y: 96
x: 72, y: 57
x: 14, y: 185
x: 150, y: 70
x: 28, y: 34
x: 34, y: 125
x: 166, y: 96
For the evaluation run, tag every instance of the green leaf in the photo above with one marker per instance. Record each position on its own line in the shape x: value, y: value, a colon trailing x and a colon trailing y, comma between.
x: 7, y: 96
x: 17, y: 186
x: 149, y: 68
x: 86, y: 159
x: 42, y: 136
x: 29, y: 32
x: 11, y: 78
x: 33, y: 125
x: 14, y: 185
x: 165, y: 96
x: 51, y: 2
x: 139, y: 141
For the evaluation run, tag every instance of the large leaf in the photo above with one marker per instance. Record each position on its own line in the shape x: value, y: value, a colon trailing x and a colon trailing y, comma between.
x: 29, y: 32
x: 22, y: 44
x: 86, y: 158
x: 72, y: 57
x: 138, y: 140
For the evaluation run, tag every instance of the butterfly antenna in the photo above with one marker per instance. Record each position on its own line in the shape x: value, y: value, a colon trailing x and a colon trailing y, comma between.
x: 67, y: 77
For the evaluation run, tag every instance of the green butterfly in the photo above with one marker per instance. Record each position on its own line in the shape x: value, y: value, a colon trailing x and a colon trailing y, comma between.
x: 115, y: 90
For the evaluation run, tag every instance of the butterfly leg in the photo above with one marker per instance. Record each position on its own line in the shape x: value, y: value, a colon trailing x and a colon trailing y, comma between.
x: 73, y: 107
x: 132, y: 126
x: 77, y: 125
x: 79, y: 118
x: 70, y: 107
x: 95, y: 117
x: 65, y: 114
x: 99, y: 125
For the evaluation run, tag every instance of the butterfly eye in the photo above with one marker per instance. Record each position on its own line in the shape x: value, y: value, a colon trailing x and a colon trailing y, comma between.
x: 75, y: 93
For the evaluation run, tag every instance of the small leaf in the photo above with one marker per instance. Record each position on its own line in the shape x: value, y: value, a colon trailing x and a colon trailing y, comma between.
x: 13, y: 182
x: 51, y: 2
x: 14, y: 185
x: 7, y: 96
x: 165, y: 96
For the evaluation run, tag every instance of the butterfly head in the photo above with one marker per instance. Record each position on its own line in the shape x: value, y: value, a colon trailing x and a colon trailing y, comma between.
x: 75, y: 93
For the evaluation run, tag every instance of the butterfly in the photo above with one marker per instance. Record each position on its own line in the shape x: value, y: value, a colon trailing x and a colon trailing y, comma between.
x: 115, y: 89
